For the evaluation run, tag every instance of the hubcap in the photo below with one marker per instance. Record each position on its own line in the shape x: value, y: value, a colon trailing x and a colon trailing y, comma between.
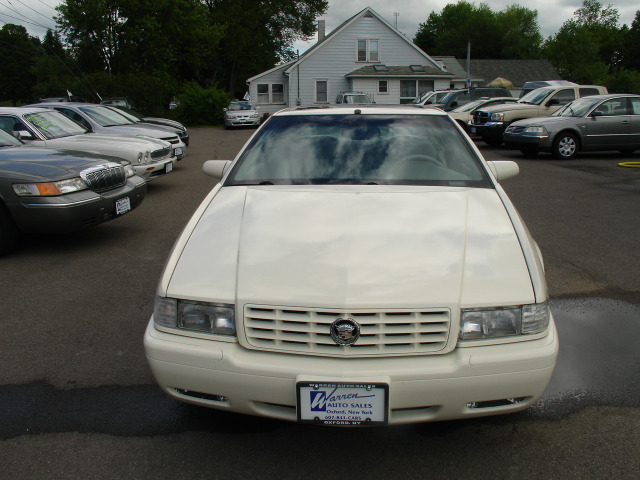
x: 567, y: 146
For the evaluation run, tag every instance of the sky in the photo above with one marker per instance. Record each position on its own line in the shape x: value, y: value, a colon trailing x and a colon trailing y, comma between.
x: 36, y: 15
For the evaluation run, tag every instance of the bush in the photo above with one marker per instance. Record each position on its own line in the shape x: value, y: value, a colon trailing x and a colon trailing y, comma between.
x: 202, y: 106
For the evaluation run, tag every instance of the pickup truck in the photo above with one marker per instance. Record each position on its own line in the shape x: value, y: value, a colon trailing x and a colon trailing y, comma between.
x: 491, y: 122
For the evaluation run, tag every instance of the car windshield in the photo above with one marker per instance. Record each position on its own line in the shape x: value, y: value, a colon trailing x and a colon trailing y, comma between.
x: 128, y: 114
x: 356, y: 99
x: 241, y: 106
x: 105, y: 116
x: 8, y: 140
x: 577, y: 108
x: 537, y: 96
x: 467, y: 107
x: 52, y: 124
x: 359, y: 149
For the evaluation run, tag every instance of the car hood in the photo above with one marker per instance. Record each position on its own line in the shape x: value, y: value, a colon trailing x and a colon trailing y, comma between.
x: 549, y: 122
x: 147, y: 130
x: 37, y: 163
x: 164, y: 121
x: 139, y: 143
x: 507, y: 107
x: 351, y: 247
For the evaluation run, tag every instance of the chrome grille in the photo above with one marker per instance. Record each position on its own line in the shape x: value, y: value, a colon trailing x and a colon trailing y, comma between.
x: 161, y: 153
x: 382, y: 333
x: 480, y: 117
x: 104, y: 177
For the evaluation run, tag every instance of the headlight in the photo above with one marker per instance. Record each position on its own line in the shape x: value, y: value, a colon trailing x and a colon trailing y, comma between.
x: 147, y: 156
x: 487, y: 323
x: 536, y: 130
x: 53, y: 188
x: 497, y: 117
x: 194, y: 316
x: 140, y: 157
x: 255, y: 115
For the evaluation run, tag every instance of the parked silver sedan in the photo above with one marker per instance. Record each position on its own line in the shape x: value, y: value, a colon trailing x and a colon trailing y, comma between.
x: 241, y: 114
x: 598, y: 122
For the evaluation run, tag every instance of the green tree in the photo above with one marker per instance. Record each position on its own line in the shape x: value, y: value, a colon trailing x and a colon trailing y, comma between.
x: 18, y: 53
x: 511, y: 34
x: 594, y: 33
x: 258, y: 34
x: 630, y: 41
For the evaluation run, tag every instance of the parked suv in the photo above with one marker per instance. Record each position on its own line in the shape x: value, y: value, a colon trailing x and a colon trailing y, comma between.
x: 353, y: 97
x: 457, y: 98
x: 491, y: 122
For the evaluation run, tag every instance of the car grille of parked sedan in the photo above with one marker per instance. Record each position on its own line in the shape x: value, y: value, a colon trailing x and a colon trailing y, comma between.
x: 104, y: 177
x: 382, y: 333
x: 161, y: 153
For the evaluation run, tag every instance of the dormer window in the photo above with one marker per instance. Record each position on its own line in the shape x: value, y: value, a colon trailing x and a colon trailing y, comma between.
x: 368, y: 50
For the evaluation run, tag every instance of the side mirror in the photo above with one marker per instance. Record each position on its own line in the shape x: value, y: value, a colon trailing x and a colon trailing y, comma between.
x: 216, y: 168
x: 23, y: 135
x: 598, y: 113
x: 503, y: 169
x: 552, y: 102
x: 224, y: 109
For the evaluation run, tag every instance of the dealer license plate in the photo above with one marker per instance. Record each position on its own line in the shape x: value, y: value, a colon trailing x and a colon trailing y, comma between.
x: 123, y: 205
x: 356, y: 404
x: 168, y: 167
x: 177, y: 151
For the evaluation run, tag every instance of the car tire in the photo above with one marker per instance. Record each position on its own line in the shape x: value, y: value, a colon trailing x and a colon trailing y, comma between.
x: 565, y: 146
x: 9, y: 232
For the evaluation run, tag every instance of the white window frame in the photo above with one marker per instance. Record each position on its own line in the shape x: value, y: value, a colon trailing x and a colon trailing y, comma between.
x: 270, y: 95
x: 315, y: 91
x: 368, y: 52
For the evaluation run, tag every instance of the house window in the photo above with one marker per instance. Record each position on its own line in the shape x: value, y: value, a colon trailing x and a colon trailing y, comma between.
x: 263, y: 93
x: 368, y: 50
x: 270, y: 93
x: 322, y: 91
x: 411, y: 89
x: 277, y: 93
x: 383, y: 86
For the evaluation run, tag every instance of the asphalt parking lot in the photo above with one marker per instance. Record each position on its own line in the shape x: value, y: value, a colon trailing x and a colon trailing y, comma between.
x: 77, y: 399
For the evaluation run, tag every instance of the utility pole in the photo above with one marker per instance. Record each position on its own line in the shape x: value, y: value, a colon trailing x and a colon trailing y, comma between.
x: 395, y: 14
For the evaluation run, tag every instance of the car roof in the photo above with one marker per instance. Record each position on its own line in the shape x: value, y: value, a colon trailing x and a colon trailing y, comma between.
x: 21, y: 110
x: 607, y: 96
x: 373, y: 109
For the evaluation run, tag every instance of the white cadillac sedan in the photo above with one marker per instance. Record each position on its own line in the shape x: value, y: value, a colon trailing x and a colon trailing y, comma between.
x: 355, y: 266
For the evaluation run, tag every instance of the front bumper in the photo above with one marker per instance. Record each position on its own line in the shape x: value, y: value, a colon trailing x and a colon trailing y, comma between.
x: 241, y: 121
x: 468, y: 382
x: 75, y: 211
x: 523, y: 142
x: 493, y: 129
x: 150, y: 171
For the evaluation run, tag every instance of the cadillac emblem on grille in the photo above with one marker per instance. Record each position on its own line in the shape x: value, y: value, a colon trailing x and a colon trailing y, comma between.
x: 345, y: 331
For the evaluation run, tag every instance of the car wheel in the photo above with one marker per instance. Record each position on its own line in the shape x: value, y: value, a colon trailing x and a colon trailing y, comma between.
x: 565, y: 146
x: 9, y: 232
x: 492, y: 140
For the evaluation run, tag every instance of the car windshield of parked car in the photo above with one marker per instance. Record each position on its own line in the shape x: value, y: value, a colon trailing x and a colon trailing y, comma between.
x: 105, y: 117
x: 577, y: 108
x: 8, y: 140
x: 537, y: 96
x: 241, y: 106
x: 53, y: 124
x: 359, y: 149
x: 356, y: 99
x: 467, y: 107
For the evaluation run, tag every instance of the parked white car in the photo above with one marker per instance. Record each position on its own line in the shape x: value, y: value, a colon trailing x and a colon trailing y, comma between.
x: 355, y: 266
x: 150, y: 157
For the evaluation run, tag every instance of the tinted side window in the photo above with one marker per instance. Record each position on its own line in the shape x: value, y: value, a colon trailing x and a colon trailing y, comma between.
x: 585, y: 92
x: 564, y: 96
x: 635, y: 106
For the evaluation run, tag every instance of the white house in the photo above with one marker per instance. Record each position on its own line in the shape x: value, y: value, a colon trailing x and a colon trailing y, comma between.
x: 364, y: 54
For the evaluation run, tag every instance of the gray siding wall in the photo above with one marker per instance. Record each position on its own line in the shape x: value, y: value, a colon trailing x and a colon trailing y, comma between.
x: 338, y: 57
